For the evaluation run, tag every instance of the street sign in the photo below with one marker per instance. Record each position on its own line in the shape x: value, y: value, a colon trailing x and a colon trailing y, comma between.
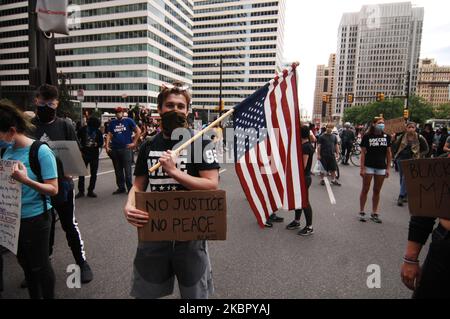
x: 80, y: 95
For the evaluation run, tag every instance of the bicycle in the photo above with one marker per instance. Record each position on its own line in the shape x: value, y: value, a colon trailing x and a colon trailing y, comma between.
x: 355, y: 155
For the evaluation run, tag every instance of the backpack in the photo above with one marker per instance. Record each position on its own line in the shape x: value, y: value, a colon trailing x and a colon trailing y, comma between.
x: 35, y: 166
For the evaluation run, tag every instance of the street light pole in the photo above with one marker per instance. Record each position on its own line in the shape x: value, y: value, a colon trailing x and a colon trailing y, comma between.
x: 220, y: 85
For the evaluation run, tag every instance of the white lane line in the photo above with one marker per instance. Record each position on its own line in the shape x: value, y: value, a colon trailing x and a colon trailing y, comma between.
x: 109, y: 172
x: 330, y: 191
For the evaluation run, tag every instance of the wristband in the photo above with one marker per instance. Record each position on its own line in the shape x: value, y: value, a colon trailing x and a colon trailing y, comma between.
x: 406, y: 260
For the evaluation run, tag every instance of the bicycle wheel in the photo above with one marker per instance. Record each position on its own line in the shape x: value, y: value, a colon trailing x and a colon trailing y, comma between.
x: 355, y: 158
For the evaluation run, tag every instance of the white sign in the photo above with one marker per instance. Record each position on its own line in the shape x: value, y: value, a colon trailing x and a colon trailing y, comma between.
x: 70, y: 155
x: 52, y: 16
x: 10, y: 207
x: 80, y: 95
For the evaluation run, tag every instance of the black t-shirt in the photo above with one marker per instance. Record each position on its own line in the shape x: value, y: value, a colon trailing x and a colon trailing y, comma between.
x: 200, y: 156
x: 328, y: 144
x: 59, y: 130
x: 308, y: 149
x: 376, y: 146
x: 347, y: 136
x: 91, y: 140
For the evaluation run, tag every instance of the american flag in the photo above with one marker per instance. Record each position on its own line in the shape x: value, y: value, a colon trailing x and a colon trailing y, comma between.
x: 268, y: 148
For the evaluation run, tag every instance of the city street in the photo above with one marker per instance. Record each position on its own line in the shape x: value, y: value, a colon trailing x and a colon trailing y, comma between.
x: 253, y: 263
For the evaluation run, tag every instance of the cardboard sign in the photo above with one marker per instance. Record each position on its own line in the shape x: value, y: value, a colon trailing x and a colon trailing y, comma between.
x: 70, y: 155
x: 10, y: 207
x: 183, y: 216
x: 428, y: 186
x: 394, y: 126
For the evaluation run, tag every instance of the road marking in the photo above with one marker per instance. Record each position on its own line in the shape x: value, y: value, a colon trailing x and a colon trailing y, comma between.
x: 222, y: 171
x: 330, y: 192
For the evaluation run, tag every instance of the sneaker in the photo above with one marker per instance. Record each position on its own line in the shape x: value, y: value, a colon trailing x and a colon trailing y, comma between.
x: 336, y: 183
x: 322, y: 182
x: 375, y: 218
x: 92, y: 195
x: 275, y: 219
x: 79, y: 195
x: 307, y: 231
x: 268, y: 224
x: 400, y: 201
x: 86, y: 273
x: 293, y: 225
x: 119, y: 191
x: 405, y: 199
x: 362, y: 217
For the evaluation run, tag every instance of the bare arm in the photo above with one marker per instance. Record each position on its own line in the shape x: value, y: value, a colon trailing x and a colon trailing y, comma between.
x: 48, y: 188
x: 108, y: 141
x: 305, y: 160
x: 388, y: 161
x: 137, y: 135
x: 134, y: 216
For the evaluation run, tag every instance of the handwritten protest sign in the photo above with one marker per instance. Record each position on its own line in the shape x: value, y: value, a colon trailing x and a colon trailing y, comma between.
x: 394, y: 126
x: 10, y: 207
x: 428, y: 186
x: 70, y: 155
x: 183, y: 216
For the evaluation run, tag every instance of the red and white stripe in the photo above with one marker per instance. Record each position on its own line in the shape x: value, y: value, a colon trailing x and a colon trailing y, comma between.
x: 271, y: 173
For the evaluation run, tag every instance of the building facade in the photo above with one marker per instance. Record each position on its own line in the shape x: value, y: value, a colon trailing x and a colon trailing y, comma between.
x: 248, y: 35
x: 323, y: 111
x: 119, y: 52
x: 377, y: 48
x: 434, y: 82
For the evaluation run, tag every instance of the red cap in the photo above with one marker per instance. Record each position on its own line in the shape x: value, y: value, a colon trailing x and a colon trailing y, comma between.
x: 119, y: 110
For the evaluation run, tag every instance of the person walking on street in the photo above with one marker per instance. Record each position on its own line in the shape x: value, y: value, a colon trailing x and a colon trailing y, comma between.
x: 347, y: 138
x: 308, y: 154
x: 91, y: 140
x: 51, y: 128
x: 328, y: 150
x: 409, y: 145
x: 119, y: 145
x: 375, y: 158
x: 34, y: 236
x: 158, y: 263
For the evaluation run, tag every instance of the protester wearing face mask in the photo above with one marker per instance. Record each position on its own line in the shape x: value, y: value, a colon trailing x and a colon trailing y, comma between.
x: 158, y: 263
x: 49, y: 127
x: 34, y: 236
x: 119, y: 145
x: 327, y: 151
x: 409, y: 145
x: 375, y: 159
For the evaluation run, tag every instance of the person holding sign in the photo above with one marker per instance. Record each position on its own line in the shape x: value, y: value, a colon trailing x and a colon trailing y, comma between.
x: 375, y: 158
x: 34, y: 237
x: 409, y: 145
x: 157, y: 263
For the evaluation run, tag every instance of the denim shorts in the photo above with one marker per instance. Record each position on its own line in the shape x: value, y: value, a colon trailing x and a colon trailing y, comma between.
x: 375, y: 171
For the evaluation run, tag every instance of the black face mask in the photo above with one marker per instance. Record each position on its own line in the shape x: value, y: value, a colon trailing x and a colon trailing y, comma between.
x: 172, y: 120
x: 46, y: 114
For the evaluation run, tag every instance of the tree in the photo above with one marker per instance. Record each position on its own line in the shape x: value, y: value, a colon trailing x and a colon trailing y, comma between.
x: 420, y: 110
x: 390, y: 109
x: 65, y: 105
x: 442, y: 112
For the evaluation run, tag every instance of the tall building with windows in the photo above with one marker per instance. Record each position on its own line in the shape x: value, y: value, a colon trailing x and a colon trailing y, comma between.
x: 323, y: 111
x: 249, y: 35
x: 120, y: 52
x: 377, y: 48
x: 434, y: 82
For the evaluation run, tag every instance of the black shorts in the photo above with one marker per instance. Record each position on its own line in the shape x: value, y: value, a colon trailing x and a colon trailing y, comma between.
x: 329, y: 163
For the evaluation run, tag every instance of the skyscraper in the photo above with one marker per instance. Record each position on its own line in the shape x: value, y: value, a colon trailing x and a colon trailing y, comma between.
x: 120, y: 53
x: 323, y: 111
x: 377, y: 48
x: 248, y: 35
x: 434, y: 82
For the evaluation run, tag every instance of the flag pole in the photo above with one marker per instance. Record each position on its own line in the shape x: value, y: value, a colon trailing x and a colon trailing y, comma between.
x: 195, y: 137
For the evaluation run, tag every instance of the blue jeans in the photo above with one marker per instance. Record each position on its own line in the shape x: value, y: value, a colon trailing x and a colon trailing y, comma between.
x: 122, y: 160
x: 403, y: 192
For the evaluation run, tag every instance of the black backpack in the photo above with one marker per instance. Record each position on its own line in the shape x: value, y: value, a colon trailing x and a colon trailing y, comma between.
x: 35, y: 166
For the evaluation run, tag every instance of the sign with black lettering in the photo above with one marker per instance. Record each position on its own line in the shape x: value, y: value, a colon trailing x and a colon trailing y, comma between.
x: 428, y: 186
x: 183, y: 216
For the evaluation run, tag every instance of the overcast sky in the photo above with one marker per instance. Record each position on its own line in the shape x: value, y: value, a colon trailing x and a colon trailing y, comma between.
x: 312, y: 27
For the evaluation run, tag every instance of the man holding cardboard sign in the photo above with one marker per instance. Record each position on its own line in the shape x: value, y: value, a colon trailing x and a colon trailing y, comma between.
x: 157, y: 263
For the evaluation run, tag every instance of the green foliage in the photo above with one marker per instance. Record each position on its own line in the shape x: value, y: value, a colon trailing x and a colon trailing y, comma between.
x: 442, y: 112
x: 420, y: 110
x: 65, y: 105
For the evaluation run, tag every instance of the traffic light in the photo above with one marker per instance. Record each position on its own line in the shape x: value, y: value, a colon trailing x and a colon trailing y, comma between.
x: 350, y: 98
x: 380, y: 97
x: 325, y: 98
x: 406, y: 114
